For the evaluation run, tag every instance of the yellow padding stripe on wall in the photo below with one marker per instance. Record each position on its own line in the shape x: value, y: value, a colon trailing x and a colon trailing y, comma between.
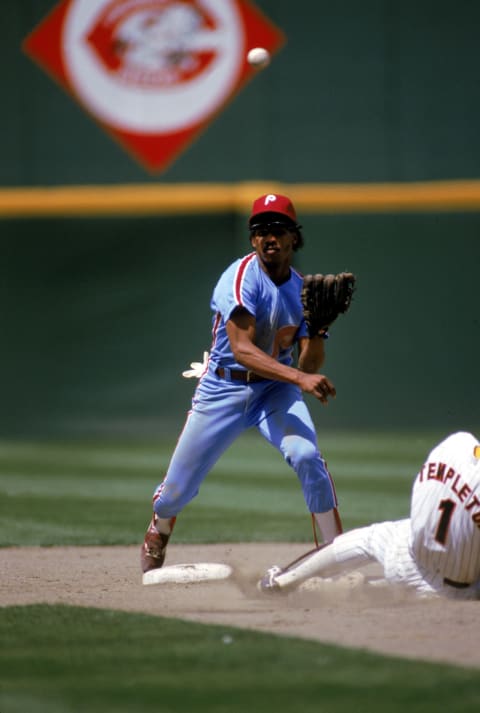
x: 175, y: 199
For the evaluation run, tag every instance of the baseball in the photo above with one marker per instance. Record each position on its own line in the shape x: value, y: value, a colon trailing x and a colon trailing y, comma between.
x: 258, y: 57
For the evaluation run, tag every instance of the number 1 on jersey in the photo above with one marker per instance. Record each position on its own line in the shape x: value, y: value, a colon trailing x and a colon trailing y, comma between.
x: 447, y: 507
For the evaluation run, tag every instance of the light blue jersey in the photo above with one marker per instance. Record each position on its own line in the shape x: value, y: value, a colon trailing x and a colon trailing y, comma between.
x: 277, y: 310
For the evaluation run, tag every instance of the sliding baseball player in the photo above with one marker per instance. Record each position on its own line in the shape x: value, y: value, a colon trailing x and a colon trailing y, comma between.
x: 434, y: 551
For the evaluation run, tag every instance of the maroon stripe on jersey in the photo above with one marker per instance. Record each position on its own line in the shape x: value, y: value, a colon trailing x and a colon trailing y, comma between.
x: 239, y: 277
x: 218, y: 317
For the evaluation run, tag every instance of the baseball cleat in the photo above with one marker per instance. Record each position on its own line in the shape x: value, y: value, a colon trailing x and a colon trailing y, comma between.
x: 154, y: 548
x: 268, y: 583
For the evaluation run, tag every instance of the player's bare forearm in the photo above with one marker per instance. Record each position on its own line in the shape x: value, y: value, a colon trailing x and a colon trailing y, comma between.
x: 241, y: 333
x: 311, y: 354
x: 254, y: 359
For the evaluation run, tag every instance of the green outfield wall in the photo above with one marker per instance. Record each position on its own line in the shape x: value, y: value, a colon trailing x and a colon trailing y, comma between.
x: 100, y: 316
x: 362, y: 91
x: 100, y: 313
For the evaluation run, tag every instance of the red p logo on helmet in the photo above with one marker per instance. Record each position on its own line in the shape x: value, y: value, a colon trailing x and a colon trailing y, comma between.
x: 273, y: 203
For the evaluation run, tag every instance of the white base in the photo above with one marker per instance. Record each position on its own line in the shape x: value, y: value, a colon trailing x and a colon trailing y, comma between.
x: 187, y: 573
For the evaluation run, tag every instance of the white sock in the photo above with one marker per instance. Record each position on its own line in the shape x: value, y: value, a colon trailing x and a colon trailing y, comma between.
x: 163, y: 524
x: 329, y: 524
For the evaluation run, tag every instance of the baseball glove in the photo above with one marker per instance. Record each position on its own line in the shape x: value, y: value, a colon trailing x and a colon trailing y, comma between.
x: 324, y: 297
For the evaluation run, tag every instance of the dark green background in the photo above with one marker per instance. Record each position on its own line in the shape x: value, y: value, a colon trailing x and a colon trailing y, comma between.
x: 363, y: 91
x: 99, y: 317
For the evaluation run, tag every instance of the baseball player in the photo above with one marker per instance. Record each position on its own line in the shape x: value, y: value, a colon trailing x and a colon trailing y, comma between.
x: 249, y: 379
x: 435, y: 551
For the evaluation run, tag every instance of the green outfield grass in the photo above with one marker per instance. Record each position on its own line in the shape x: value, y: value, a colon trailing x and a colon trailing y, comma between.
x: 96, y: 492
x: 74, y: 660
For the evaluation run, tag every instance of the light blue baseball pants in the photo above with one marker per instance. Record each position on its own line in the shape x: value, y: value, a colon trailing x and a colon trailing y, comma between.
x: 221, y: 411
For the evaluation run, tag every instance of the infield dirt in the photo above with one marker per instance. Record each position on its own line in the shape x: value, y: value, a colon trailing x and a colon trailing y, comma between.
x: 347, y: 611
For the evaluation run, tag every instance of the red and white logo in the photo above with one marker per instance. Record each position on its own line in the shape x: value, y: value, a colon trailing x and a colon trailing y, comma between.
x: 154, y: 73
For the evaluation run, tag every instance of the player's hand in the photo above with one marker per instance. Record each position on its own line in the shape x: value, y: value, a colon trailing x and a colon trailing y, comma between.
x: 318, y: 385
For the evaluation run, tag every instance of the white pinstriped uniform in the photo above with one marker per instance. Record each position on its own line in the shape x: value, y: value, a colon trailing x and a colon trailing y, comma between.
x: 441, y: 539
x: 445, y: 511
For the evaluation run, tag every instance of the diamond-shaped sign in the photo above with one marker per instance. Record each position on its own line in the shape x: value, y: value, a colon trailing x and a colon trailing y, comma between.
x: 153, y: 73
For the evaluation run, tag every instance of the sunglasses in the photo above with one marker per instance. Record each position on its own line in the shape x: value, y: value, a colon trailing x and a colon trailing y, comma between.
x: 278, y: 230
